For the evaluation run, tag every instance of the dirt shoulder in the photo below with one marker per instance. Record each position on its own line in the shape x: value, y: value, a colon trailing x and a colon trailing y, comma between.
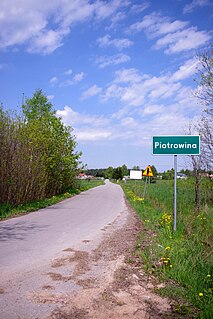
x: 110, y: 286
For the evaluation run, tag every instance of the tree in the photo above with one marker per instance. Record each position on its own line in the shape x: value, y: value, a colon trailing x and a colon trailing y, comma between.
x: 136, y: 168
x: 204, y: 127
x: 109, y: 172
x: 125, y: 170
x: 118, y: 174
x: 205, y: 94
x: 205, y: 77
x: 38, y: 157
x: 154, y: 170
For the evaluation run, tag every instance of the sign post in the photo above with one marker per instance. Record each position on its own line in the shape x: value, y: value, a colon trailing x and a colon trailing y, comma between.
x: 148, y: 173
x: 176, y: 145
x: 175, y: 192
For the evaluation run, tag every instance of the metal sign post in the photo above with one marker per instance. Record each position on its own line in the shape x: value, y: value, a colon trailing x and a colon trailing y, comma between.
x: 175, y: 192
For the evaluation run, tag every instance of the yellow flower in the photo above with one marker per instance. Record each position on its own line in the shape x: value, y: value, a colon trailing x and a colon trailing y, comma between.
x: 200, y: 294
x: 170, y: 266
x: 208, y: 276
x: 168, y: 248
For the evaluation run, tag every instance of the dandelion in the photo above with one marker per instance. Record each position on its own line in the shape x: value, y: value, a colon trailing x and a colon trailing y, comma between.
x: 200, y: 294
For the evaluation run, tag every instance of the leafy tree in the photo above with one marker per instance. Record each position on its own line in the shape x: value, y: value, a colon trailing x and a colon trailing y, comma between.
x: 168, y: 175
x: 118, y: 174
x: 125, y: 170
x: 109, y: 172
x: 154, y: 170
x: 38, y: 157
x: 136, y: 168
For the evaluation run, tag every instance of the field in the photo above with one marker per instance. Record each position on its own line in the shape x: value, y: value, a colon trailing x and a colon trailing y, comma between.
x: 7, y: 210
x: 181, y: 259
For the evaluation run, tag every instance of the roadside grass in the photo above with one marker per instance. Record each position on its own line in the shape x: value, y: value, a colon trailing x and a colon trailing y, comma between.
x: 7, y: 210
x: 182, y: 259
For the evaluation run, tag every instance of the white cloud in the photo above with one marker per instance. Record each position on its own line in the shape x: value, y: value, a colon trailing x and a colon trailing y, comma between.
x: 53, y: 80
x: 68, y: 72
x: 104, y: 61
x: 128, y: 75
x: 73, y: 118
x: 152, y: 109
x: 119, y: 44
x: 105, y: 9
x: 183, y: 40
x: 140, y: 7
x: 50, y: 97
x: 92, y: 91
x: 78, y: 77
x: 132, y: 88
x: 119, y: 16
x: 186, y: 70
x: 172, y: 36
x: 155, y: 24
x: 196, y: 4
x: 29, y: 22
x: 93, y: 135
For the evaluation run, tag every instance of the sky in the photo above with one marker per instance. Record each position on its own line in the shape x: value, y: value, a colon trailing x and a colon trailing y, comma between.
x: 117, y: 71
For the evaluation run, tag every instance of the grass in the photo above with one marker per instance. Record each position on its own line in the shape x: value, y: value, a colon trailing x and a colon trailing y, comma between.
x: 7, y: 210
x: 184, y: 257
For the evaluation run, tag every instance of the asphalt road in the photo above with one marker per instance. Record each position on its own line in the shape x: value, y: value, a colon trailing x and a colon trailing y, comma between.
x: 28, y: 244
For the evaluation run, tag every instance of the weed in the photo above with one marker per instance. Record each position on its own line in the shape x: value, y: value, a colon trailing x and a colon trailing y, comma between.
x: 183, y: 256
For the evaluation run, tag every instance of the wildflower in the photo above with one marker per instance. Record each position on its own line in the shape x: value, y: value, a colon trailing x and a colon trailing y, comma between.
x: 168, y: 248
x: 200, y: 294
x: 208, y: 276
x: 170, y: 266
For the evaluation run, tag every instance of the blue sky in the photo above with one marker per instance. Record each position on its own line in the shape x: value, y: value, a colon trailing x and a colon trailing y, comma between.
x: 117, y: 71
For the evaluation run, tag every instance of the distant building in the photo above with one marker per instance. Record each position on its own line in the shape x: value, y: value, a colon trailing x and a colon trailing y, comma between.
x: 181, y: 176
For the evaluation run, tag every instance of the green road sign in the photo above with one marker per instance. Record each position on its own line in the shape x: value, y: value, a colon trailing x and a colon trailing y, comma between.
x: 176, y: 145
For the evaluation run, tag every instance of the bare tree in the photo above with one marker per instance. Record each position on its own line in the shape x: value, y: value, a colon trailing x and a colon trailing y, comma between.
x: 205, y: 95
x: 205, y: 78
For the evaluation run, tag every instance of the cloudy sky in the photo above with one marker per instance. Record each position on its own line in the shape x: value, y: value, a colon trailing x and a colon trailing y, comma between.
x: 117, y: 71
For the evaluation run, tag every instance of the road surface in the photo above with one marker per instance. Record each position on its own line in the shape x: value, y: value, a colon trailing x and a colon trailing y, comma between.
x: 33, y: 246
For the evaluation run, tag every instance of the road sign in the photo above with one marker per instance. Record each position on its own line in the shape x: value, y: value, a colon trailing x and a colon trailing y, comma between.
x: 148, y: 172
x: 135, y: 174
x: 176, y: 145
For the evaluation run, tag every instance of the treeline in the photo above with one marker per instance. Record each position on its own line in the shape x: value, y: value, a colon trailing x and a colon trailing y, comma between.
x: 115, y: 173
x: 37, y: 153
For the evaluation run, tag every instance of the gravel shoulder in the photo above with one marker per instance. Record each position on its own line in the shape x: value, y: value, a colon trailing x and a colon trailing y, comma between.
x: 110, y: 286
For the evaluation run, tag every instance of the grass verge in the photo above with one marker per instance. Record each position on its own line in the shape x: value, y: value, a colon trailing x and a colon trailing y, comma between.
x: 7, y: 210
x: 181, y: 259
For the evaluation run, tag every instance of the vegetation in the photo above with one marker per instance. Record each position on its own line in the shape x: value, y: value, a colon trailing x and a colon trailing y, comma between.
x: 183, y: 258
x: 204, y: 127
x: 38, y: 158
x: 115, y: 173
x: 7, y: 210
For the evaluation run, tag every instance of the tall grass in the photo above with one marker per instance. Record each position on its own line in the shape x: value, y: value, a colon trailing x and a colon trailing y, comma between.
x: 183, y: 258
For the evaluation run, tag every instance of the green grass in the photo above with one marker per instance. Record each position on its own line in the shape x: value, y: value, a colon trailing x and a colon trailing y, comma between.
x: 184, y: 257
x: 7, y: 210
